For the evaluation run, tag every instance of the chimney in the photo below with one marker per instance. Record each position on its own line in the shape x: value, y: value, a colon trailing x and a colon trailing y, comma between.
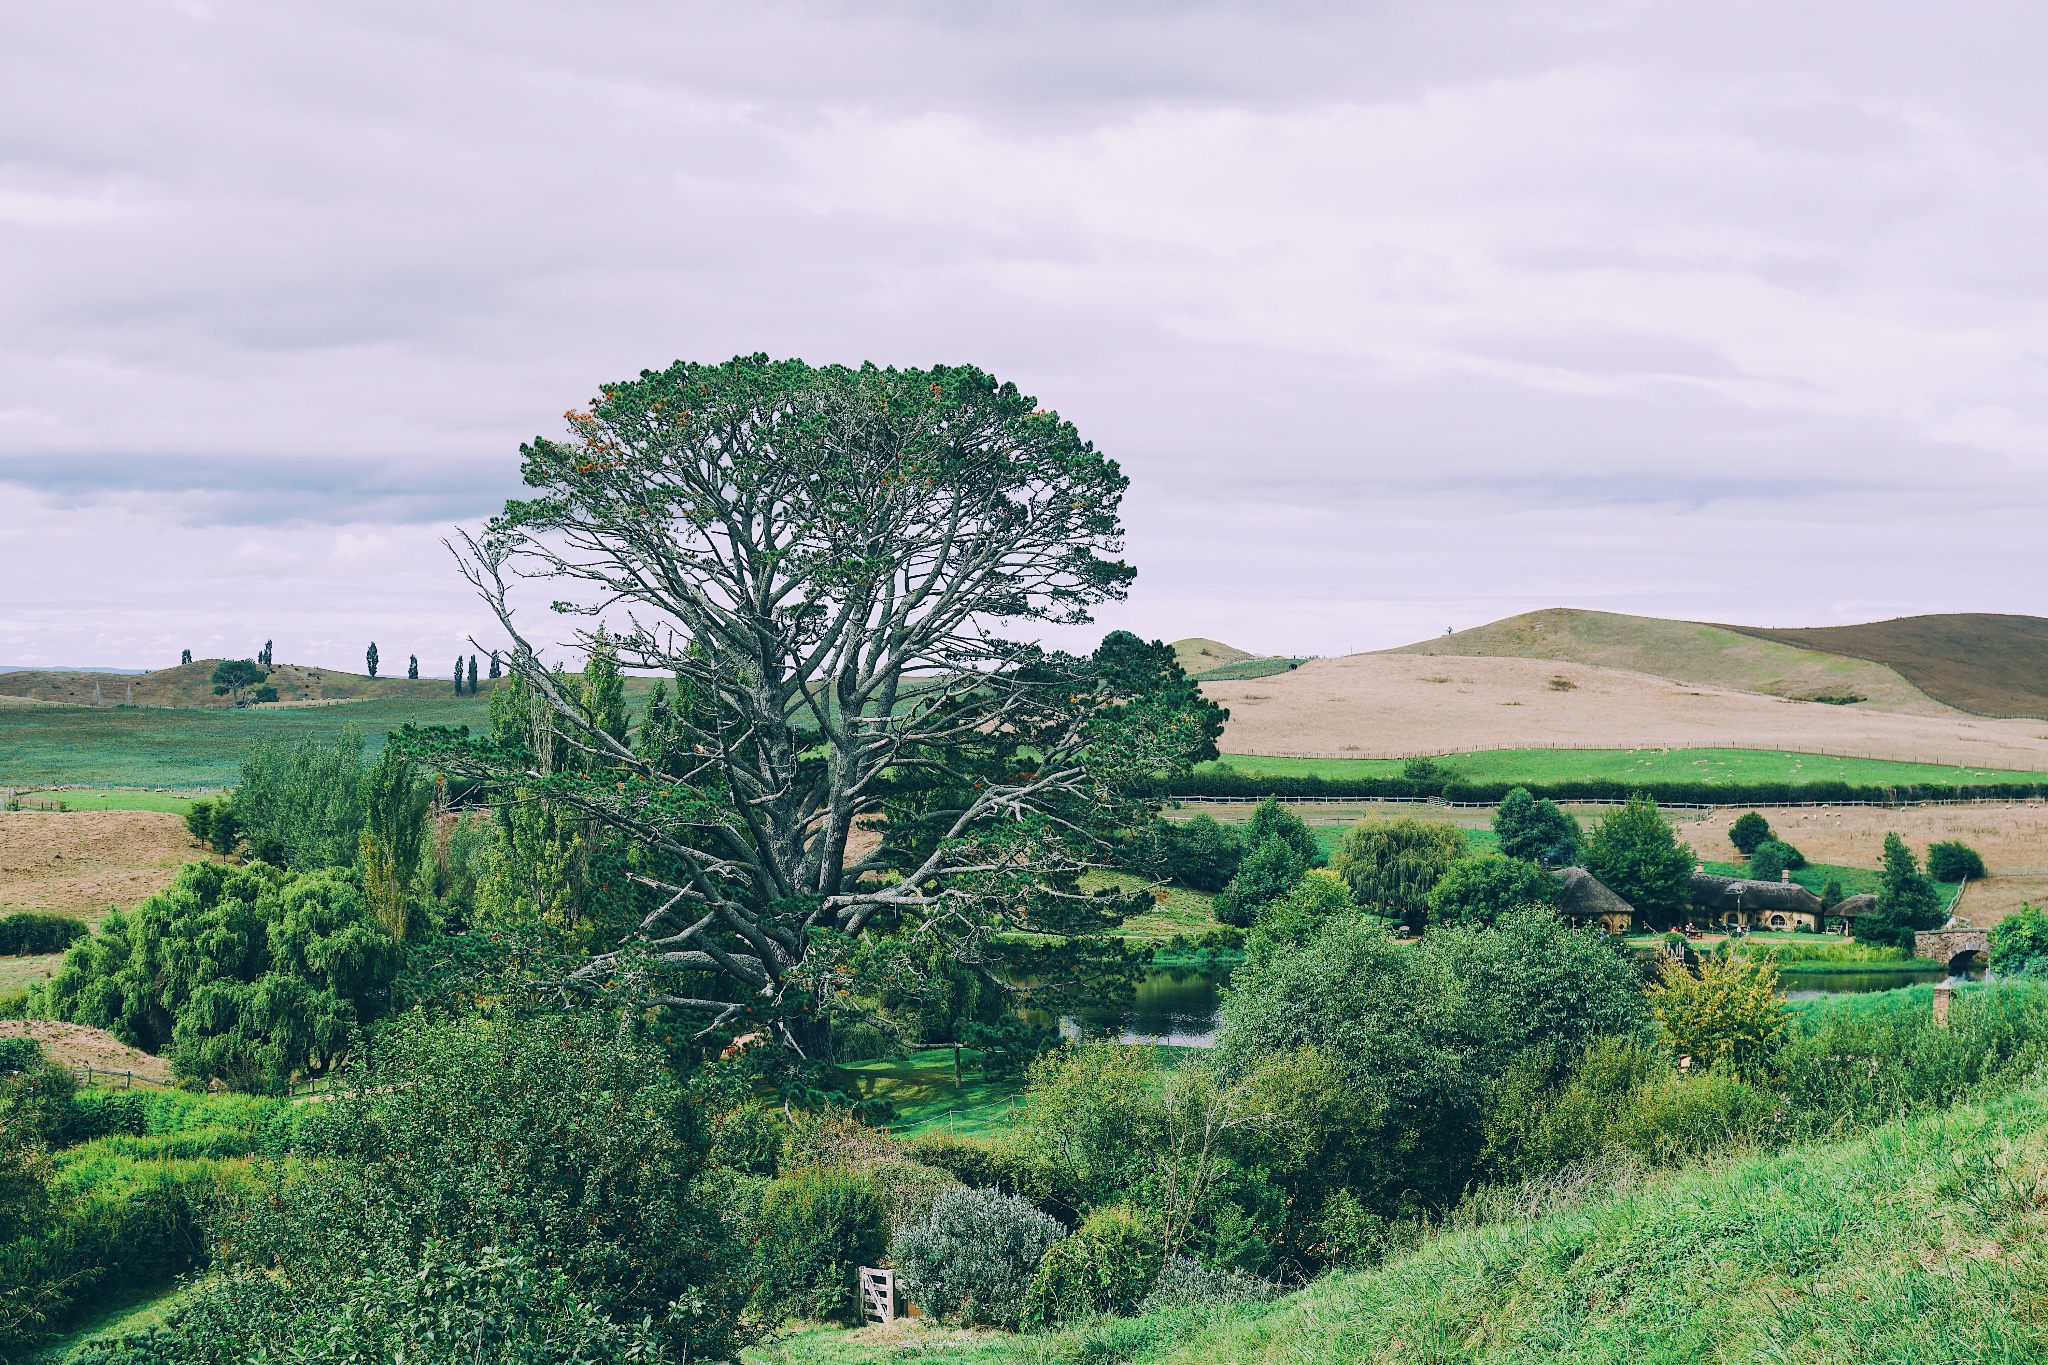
x: 1942, y: 992
x: 1784, y: 875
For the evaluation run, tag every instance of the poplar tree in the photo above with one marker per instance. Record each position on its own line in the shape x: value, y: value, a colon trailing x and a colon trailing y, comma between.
x: 370, y: 658
x: 472, y: 675
x: 412, y: 666
x: 458, y: 675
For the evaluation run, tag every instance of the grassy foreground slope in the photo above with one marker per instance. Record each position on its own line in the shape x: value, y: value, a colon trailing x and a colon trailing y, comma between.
x: 1689, y: 651
x: 1920, y: 1242
x: 1975, y: 661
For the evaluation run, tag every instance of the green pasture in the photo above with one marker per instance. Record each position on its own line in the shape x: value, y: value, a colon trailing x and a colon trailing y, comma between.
x: 175, y: 802
x: 1184, y: 911
x: 927, y: 1097
x: 1622, y: 765
x: 121, y: 746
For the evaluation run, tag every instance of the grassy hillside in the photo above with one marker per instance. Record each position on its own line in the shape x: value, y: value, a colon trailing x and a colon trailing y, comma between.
x: 191, y: 685
x: 1722, y: 656
x: 1196, y: 655
x: 1621, y: 765
x: 1920, y: 1242
x: 1974, y: 661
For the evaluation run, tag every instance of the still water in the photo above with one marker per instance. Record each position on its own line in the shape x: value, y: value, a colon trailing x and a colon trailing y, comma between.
x: 1179, y: 1007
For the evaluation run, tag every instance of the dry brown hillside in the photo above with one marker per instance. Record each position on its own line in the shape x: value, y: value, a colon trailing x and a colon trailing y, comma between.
x: 191, y: 685
x: 1688, y: 651
x: 1990, y: 664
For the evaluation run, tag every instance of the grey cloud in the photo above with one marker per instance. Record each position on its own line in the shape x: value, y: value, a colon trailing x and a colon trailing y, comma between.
x: 233, y: 491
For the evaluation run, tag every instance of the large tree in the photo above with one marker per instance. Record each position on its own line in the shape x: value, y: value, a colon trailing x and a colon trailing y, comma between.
x: 824, y: 558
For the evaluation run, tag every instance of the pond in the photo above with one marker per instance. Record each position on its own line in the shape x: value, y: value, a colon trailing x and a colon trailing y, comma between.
x: 1813, y: 985
x: 1173, y: 1005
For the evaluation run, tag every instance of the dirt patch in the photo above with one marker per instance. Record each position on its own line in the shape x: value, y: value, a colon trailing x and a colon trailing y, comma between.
x: 80, y: 862
x: 1402, y: 706
x: 76, y: 1045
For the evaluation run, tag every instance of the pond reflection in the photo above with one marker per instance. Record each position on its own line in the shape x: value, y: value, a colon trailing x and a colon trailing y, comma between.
x: 1173, y: 1006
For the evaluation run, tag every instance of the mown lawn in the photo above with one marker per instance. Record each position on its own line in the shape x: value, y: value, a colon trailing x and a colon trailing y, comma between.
x: 926, y: 1096
x: 1622, y: 765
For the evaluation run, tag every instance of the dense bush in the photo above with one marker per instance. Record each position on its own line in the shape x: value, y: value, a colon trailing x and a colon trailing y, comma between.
x: 2019, y: 944
x: 1268, y: 872
x: 1107, y: 1266
x: 1773, y: 857
x: 1951, y: 861
x: 1198, y: 852
x: 1727, y: 1014
x: 1749, y: 830
x: 816, y: 1228
x: 1393, y: 865
x: 26, y: 934
x: 1300, y: 915
x: 1635, y: 854
x: 1536, y: 831
x: 299, y: 805
x: 973, y: 1259
x: 1480, y: 890
x: 553, y: 1151
x: 247, y: 974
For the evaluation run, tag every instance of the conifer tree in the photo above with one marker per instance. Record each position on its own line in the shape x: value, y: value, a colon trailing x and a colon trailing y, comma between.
x: 458, y: 675
x: 472, y: 675
x: 412, y: 666
x: 494, y: 665
x: 186, y: 658
x: 370, y: 658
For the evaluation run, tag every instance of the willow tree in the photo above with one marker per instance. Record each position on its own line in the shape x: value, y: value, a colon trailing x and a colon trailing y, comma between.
x: 828, y: 561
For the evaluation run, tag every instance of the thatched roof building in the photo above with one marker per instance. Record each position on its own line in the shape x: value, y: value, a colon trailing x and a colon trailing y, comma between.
x: 1584, y: 897
x: 1753, y: 902
x: 1856, y: 906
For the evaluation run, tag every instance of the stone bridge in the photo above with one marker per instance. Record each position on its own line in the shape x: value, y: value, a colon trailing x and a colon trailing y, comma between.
x: 1947, y: 945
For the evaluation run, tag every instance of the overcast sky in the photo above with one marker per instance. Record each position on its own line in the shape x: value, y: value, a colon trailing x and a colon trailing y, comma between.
x: 1400, y: 316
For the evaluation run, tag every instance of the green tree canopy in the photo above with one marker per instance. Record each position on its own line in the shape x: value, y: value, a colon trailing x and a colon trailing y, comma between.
x: 1907, y: 901
x: 1271, y: 820
x: 2019, y: 944
x: 1954, y: 861
x: 1480, y: 890
x: 1536, y: 831
x: 1268, y: 872
x: 1749, y: 830
x: 247, y: 974
x: 1393, y: 865
x: 826, y: 559
x: 1638, y: 857
x: 230, y: 676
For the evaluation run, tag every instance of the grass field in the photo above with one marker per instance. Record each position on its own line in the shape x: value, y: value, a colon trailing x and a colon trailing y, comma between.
x: 175, y: 803
x: 162, y: 747
x: 1620, y: 765
x: 922, y: 1088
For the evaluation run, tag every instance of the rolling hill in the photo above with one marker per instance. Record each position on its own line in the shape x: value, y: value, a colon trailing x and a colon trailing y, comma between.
x: 191, y: 685
x: 1987, y: 664
x: 1196, y: 655
x: 1695, y: 652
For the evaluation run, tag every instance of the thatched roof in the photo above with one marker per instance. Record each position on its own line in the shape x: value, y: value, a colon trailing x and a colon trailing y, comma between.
x: 1863, y: 903
x: 1713, y: 892
x: 1584, y: 894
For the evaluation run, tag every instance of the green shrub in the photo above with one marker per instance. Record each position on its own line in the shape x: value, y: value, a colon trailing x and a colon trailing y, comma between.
x: 1198, y: 853
x: 972, y: 1260
x: 816, y: 1228
x: 1107, y: 1267
x: 1681, y: 1118
x: 26, y: 934
x: 1906, y: 900
x: 1009, y: 1044
x: 20, y: 1054
x: 1006, y: 1166
x: 553, y: 1143
x: 748, y: 1138
x: 1271, y: 870
x: 2019, y: 944
x: 452, y: 1305
x: 1300, y: 915
x: 1773, y: 857
x: 1480, y: 890
x: 1951, y: 861
x: 1748, y: 831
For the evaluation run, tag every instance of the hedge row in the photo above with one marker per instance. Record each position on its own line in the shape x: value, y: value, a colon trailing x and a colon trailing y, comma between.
x: 26, y: 934
x: 1200, y: 786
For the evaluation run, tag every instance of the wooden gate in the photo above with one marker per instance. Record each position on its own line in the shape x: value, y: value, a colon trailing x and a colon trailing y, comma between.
x: 878, y: 1293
